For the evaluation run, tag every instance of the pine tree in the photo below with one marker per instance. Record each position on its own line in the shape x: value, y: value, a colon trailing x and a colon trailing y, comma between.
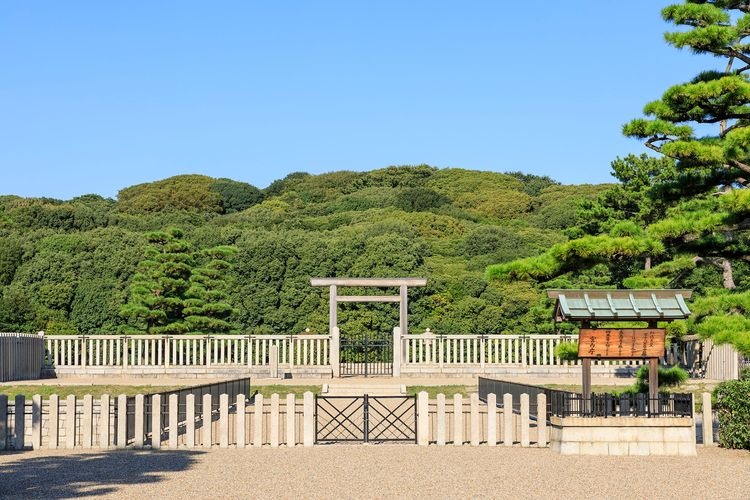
x: 207, y: 309
x: 703, y: 190
x: 178, y: 290
x: 157, y: 293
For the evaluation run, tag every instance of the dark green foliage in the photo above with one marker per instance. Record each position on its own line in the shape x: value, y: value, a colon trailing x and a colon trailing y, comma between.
x: 10, y: 258
x: 745, y: 373
x: 733, y: 407
x: 533, y: 184
x: 567, y: 351
x: 71, y: 266
x: 178, y: 290
x: 157, y: 293
x: 419, y: 199
x: 236, y: 196
x: 668, y: 377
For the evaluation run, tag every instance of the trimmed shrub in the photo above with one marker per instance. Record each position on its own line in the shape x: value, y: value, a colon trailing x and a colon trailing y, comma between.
x: 668, y: 377
x: 733, y: 407
x: 567, y: 351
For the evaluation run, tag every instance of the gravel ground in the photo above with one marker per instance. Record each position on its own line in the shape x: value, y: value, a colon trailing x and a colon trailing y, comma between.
x: 374, y: 471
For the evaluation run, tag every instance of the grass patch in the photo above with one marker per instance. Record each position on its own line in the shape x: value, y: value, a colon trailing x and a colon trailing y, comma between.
x: 434, y: 390
x: 81, y: 390
x: 283, y: 390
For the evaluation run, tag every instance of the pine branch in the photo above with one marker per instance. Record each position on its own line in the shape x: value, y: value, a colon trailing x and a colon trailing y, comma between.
x: 742, y: 166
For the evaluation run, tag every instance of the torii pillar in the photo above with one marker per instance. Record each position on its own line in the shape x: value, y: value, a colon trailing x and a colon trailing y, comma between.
x: 402, y: 284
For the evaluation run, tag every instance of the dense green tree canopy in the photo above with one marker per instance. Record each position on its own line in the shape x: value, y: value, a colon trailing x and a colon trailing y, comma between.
x: 72, y: 266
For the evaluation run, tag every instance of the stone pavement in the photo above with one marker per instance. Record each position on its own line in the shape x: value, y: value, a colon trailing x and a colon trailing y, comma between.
x: 374, y: 471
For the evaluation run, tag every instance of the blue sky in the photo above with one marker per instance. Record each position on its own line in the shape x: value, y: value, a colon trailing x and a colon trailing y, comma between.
x: 96, y: 96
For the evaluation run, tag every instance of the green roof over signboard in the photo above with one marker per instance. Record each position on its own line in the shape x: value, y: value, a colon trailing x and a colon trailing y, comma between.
x: 620, y: 305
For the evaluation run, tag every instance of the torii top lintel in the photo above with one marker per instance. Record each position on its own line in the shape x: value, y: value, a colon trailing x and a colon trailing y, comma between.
x: 335, y: 298
x: 374, y: 282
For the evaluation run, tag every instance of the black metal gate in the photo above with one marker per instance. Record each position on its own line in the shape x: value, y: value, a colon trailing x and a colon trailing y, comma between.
x: 370, y: 354
x: 365, y: 419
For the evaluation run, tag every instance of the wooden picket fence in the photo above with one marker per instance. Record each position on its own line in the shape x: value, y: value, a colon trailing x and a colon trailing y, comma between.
x: 107, y: 422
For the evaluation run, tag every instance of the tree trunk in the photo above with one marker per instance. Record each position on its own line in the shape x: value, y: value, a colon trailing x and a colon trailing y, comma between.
x: 726, y: 270
x: 647, y: 264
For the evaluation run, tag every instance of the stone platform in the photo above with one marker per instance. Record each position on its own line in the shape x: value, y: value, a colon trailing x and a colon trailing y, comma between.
x: 623, y: 436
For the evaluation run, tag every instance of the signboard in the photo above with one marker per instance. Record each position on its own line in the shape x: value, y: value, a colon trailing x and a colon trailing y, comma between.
x: 620, y: 343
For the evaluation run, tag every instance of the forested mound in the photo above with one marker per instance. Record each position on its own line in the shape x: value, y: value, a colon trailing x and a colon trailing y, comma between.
x: 96, y: 265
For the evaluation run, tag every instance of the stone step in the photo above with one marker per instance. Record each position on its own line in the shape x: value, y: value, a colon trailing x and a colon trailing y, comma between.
x: 360, y: 389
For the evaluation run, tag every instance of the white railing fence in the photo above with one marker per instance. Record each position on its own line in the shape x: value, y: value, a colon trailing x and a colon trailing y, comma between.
x: 185, y: 350
x: 524, y: 350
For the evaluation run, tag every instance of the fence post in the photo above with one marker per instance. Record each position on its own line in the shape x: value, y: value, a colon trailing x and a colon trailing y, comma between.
x: 525, y: 420
x: 3, y: 421
x: 397, y: 351
x: 440, y: 419
x: 423, y: 419
x: 508, y: 419
x: 36, y: 421
x: 239, y: 421
x: 482, y: 350
x: 274, y: 439
x: 458, y: 420
x: 335, y: 346
x: 290, y: 352
x: 122, y: 421
x: 206, y: 436
x: 190, y: 420
x: 87, y: 421
x: 491, y: 419
x: 708, y: 420
x: 104, y: 421
x: 290, y: 423
x: 156, y: 421
x: 53, y: 425
x: 258, y: 421
x: 20, y: 420
x: 541, y: 420
x: 70, y: 421
x: 474, y: 419
x: 139, y: 424
x: 174, y: 421
x: 273, y: 360
x: 309, y: 419
x: 224, y: 421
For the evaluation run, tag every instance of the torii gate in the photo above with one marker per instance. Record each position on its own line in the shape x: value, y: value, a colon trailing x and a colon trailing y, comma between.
x: 402, y: 283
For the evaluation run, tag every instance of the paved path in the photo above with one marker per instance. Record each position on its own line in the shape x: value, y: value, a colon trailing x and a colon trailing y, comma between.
x: 376, y: 471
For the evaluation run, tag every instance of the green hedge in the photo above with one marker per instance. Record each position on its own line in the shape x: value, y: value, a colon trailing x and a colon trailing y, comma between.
x: 733, y: 407
x: 567, y: 351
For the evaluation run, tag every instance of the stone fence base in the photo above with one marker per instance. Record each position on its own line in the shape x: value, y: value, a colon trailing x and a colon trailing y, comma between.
x: 623, y: 436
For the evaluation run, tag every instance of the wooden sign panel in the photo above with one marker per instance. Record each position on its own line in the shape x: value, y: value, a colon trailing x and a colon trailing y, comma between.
x: 621, y: 343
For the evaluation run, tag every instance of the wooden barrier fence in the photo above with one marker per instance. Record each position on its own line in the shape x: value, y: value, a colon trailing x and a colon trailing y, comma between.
x: 103, y: 422
x: 21, y: 356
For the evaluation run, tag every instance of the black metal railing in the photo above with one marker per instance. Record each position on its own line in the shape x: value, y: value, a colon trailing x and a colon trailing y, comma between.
x: 230, y: 387
x: 623, y: 405
x: 365, y: 419
x: 501, y: 387
x: 568, y: 404
x: 366, y: 355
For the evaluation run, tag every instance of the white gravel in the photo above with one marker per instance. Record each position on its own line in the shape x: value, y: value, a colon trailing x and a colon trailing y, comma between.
x: 372, y: 471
